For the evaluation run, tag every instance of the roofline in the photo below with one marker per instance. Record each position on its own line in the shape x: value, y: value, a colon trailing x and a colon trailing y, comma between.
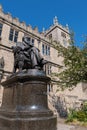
x: 57, y: 27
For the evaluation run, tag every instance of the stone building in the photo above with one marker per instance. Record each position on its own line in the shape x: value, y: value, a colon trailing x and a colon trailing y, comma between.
x: 12, y: 31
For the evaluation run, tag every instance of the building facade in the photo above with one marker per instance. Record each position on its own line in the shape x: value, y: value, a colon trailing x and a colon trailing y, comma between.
x: 12, y: 31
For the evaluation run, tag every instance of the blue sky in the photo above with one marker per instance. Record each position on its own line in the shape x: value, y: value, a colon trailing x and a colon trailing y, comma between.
x: 41, y: 12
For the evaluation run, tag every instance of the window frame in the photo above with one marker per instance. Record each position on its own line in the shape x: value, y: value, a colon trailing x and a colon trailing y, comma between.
x: 45, y: 49
x: 13, y: 35
x: 63, y: 34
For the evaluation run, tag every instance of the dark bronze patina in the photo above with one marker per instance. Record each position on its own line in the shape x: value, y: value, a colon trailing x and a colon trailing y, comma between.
x: 26, y: 56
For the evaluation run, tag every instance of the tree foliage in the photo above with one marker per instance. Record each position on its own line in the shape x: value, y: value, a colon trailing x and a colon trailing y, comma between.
x: 74, y: 64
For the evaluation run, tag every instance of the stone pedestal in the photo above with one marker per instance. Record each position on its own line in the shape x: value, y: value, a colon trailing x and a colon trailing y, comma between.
x: 25, y: 105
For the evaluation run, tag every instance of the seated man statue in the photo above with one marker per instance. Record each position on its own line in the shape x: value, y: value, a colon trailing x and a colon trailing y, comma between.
x: 26, y: 56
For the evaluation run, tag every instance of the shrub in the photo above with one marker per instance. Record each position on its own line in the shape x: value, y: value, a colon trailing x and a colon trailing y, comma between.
x: 71, y: 115
x: 80, y: 115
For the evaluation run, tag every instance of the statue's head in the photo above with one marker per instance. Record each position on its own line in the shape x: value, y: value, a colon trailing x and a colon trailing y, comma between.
x: 26, y: 39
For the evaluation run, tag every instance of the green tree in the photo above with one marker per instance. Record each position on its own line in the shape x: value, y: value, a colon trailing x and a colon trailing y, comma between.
x: 75, y: 64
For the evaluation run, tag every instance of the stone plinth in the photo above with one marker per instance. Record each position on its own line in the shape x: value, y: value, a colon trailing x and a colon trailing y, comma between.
x: 24, y: 103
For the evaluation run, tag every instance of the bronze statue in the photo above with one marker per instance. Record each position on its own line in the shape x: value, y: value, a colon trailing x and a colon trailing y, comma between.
x: 26, y: 56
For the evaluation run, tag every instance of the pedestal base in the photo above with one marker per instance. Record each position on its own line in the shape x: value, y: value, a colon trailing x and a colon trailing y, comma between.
x: 42, y: 123
x: 25, y: 105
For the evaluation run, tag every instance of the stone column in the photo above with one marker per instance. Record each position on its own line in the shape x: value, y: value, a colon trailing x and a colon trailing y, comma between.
x: 25, y: 105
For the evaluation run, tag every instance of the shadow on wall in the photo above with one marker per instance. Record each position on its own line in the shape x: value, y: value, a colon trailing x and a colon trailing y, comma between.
x: 61, y: 108
x: 59, y: 105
